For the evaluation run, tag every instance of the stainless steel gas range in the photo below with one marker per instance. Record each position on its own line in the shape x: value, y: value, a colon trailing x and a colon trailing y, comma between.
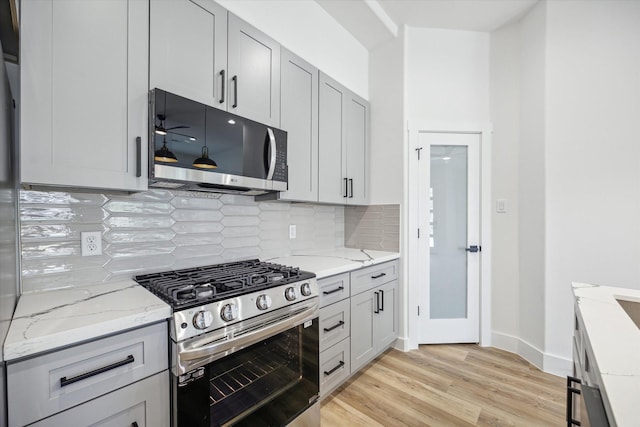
x: 244, y: 344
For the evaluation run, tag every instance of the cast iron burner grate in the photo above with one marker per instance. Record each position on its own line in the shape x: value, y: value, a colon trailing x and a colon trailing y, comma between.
x: 191, y: 287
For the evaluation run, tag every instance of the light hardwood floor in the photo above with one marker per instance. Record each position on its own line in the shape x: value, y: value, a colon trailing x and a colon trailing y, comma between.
x: 448, y: 385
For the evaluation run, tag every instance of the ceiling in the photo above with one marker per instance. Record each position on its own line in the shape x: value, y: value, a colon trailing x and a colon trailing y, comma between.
x: 373, y: 22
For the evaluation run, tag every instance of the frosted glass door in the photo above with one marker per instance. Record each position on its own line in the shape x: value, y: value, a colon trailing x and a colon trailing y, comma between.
x: 448, y: 225
x: 449, y: 274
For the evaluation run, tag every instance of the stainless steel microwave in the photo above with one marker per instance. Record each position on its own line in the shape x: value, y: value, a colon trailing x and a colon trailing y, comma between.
x: 193, y: 146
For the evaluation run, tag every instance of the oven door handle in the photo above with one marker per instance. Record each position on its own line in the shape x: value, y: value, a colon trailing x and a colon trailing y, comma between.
x: 224, y: 345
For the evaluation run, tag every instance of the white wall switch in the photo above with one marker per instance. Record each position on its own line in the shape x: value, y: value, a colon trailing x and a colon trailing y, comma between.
x: 91, y: 243
x: 292, y: 231
x: 501, y: 205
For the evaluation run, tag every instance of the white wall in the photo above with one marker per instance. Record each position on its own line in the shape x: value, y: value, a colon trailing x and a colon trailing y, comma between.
x: 447, y: 76
x: 388, y: 125
x: 531, y: 184
x: 306, y: 29
x: 505, y: 114
x: 593, y: 154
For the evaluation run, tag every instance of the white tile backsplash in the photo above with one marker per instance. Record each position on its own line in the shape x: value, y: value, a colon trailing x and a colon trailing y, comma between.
x: 161, y: 230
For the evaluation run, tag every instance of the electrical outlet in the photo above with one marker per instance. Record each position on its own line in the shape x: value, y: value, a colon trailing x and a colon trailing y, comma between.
x: 91, y: 243
x: 292, y: 231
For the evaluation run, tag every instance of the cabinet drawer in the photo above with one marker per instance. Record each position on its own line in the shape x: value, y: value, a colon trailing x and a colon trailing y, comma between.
x: 334, y: 323
x: 145, y: 403
x: 334, y: 367
x: 44, y: 385
x: 333, y: 289
x: 376, y: 275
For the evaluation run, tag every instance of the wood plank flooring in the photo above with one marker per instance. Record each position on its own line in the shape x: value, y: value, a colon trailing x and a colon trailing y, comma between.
x: 448, y: 385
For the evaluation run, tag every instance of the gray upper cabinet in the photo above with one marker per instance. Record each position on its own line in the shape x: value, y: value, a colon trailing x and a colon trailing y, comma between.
x: 299, y: 117
x: 200, y: 51
x: 84, y: 82
x: 343, y: 144
x: 254, y: 73
x: 188, y: 49
x: 357, y: 147
x: 332, y: 184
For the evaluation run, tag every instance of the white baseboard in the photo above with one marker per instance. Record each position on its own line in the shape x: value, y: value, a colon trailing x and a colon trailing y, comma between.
x: 531, y: 353
x: 505, y: 342
x: 549, y: 363
x: 402, y: 344
x: 557, y: 365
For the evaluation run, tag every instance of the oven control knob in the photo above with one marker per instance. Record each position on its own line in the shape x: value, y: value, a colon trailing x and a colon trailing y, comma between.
x: 263, y: 302
x: 202, y: 319
x: 229, y: 312
x: 290, y: 294
x: 305, y: 289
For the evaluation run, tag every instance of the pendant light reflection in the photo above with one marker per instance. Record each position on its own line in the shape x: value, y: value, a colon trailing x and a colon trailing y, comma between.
x: 204, y: 162
x: 163, y: 154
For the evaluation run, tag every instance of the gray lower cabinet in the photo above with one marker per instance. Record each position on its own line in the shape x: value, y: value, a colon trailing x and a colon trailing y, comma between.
x: 335, y: 329
x: 141, y: 404
x: 374, y: 308
x: 358, y: 321
x: 90, y: 374
x: 335, y: 367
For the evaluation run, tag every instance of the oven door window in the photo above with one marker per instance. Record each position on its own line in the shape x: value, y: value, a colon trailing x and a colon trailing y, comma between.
x: 266, y: 384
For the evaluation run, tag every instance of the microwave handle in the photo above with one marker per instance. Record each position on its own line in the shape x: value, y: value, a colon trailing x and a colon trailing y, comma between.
x: 272, y: 160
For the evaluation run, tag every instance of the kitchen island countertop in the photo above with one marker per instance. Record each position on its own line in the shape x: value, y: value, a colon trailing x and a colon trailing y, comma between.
x: 615, y: 341
x: 331, y: 262
x: 47, y: 320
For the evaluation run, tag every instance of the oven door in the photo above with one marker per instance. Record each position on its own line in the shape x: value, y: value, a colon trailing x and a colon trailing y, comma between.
x: 267, y: 381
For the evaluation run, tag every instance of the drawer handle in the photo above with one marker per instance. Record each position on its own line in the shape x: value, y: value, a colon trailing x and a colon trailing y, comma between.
x: 338, y: 289
x: 138, y: 157
x: 570, y: 392
x: 331, y: 371
x: 340, y: 323
x: 378, y: 276
x: 64, y: 381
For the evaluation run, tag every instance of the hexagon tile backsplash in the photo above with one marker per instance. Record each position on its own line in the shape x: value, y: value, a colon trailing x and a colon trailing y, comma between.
x: 160, y: 230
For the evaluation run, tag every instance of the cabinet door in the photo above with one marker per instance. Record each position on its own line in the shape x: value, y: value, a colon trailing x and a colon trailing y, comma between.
x: 145, y: 403
x: 254, y: 73
x: 299, y: 117
x: 188, y: 49
x: 363, y: 346
x: 84, y: 85
x: 357, y: 149
x: 332, y: 186
x: 385, y: 322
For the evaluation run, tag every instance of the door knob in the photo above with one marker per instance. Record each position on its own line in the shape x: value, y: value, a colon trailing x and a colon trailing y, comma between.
x: 473, y: 248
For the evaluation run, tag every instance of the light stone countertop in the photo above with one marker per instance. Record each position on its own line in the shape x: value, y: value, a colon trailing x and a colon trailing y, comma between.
x: 51, y: 319
x: 335, y: 261
x: 615, y: 341
x: 47, y: 320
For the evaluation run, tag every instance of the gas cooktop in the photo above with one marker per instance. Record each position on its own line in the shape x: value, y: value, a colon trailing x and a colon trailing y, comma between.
x: 191, y: 287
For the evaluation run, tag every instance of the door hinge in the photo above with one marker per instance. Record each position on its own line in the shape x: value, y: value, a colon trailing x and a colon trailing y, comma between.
x: 418, y: 310
x: 418, y: 233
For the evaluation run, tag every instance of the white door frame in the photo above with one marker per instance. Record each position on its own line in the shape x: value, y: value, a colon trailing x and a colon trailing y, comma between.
x: 410, y: 217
